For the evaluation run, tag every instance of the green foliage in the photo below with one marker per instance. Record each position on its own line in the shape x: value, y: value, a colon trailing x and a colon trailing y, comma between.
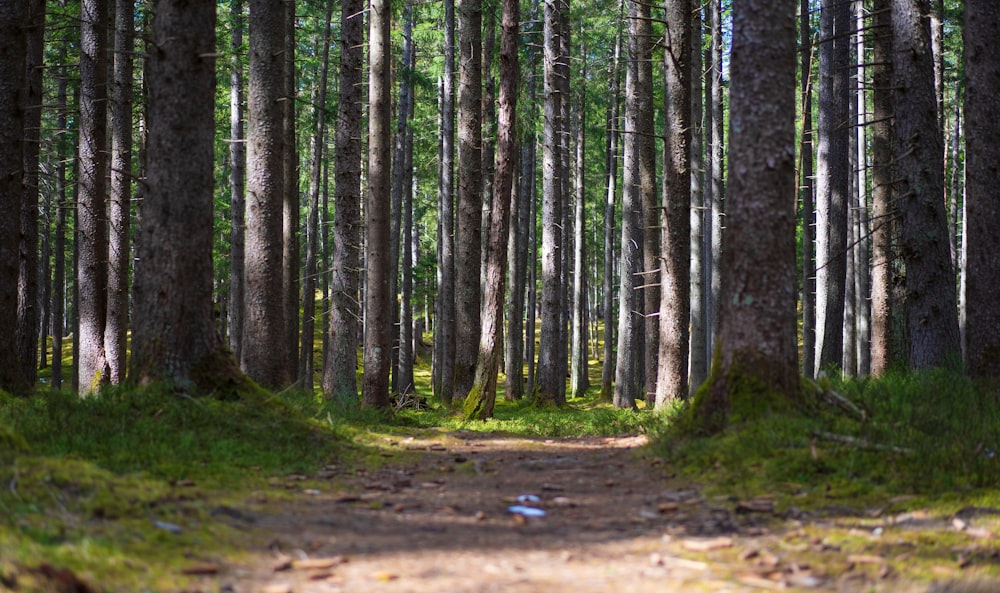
x: 928, y: 434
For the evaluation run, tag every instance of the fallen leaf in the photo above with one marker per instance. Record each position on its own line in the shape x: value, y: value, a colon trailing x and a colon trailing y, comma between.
x: 706, y: 545
x: 384, y: 576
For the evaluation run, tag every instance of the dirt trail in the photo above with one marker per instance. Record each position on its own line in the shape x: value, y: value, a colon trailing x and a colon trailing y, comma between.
x: 435, y: 519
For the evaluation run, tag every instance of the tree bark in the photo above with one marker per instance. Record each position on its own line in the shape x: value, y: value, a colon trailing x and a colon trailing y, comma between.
x: 862, y: 276
x: 482, y: 397
x: 579, y: 380
x: 175, y: 338
x: 264, y: 332
x: 290, y: 195
x: 404, y: 379
x: 119, y: 251
x: 982, y: 85
x: 610, y: 192
x: 468, y: 234
x: 698, y: 345
x: 932, y: 310
x: 807, y: 192
x: 237, y: 183
x: 12, y: 117
x: 675, y: 235
x: 378, y: 322
x: 758, y: 367
x: 715, y: 192
x: 340, y: 380
x: 59, y: 241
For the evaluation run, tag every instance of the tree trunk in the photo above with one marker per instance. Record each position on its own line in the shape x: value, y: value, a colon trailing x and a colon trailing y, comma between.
x: 517, y: 264
x: 12, y: 117
x: 489, y: 110
x: 264, y: 333
x: 675, y: 235
x: 532, y: 307
x: 290, y: 196
x: 862, y: 276
x: 340, y: 380
x: 237, y: 182
x: 715, y: 189
x: 807, y: 191
x: 931, y: 301
x: 579, y: 381
x: 758, y: 366
x: 378, y: 322
x: 59, y: 242
x: 630, y: 382
x: 470, y: 186
x: 982, y: 85
x: 481, y: 399
x: 175, y: 338
x: 119, y: 253
x: 884, y: 212
x: 445, y: 325
x: 306, y: 371
x: 404, y: 374
x: 832, y: 180
x: 698, y: 345
x: 610, y: 192
x: 92, y: 223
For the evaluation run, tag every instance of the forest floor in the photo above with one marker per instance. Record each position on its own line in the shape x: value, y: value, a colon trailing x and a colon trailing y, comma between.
x: 433, y: 515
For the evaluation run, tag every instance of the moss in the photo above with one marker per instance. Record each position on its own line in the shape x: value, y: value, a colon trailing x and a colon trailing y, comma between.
x: 219, y: 375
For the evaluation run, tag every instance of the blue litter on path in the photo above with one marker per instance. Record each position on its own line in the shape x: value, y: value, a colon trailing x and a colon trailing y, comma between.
x: 528, y: 498
x: 525, y: 511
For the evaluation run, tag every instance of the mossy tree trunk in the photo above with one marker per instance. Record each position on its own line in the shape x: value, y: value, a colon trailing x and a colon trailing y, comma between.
x: 756, y: 362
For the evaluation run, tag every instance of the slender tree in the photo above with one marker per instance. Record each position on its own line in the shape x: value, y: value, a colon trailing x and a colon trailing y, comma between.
x: 481, y: 399
x: 579, y: 380
x: 175, y: 338
x: 931, y: 300
x: 982, y: 85
x: 12, y: 82
x: 340, y: 381
x: 264, y: 313
x: 807, y: 191
x: 468, y: 230
x: 698, y: 365
x: 237, y: 181
x: 757, y: 342
x: 675, y: 234
x: 290, y: 195
x: 59, y: 241
x: 404, y: 375
x: 862, y: 244
x: 92, y: 223
x: 714, y: 165
x: 378, y: 317
x: 611, y: 189
x: 119, y: 252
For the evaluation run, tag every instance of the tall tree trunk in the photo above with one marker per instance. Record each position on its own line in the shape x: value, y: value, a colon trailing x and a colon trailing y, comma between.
x: 119, y: 253
x: 982, y: 84
x: 175, y: 338
x: 404, y: 373
x: 675, y: 234
x: 884, y: 210
x: 264, y: 332
x: 807, y: 192
x: 12, y: 118
x: 59, y: 241
x: 954, y: 167
x: 312, y: 227
x: 551, y: 375
x: 564, y: 143
x: 470, y: 186
x: 290, y: 193
x: 445, y: 325
x: 931, y: 301
x: 92, y: 223
x: 698, y: 345
x: 757, y: 343
x: 530, y: 321
x: 27, y: 284
x: 630, y: 381
x: 340, y: 380
x: 832, y: 180
x: 517, y: 266
x: 489, y: 107
x: 610, y: 192
x: 715, y: 189
x: 481, y: 399
x: 237, y: 182
x: 862, y: 277
x: 579, y: 381
x: 378, y: 322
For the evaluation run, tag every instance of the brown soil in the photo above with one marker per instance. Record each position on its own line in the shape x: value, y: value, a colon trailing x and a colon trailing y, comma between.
x: 435, y: 518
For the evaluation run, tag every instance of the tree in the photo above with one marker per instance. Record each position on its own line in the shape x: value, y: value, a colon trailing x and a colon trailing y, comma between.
x: 699, y: 355
x: 119, y: 252
x: 551, y: 372
x: 174, y: 335
x: 290, y: 199
x: 92, y: 224
x: 481, y: 399
x: 378, y: 326
x: 340, y: 380
x: 12, y: 79
x: 931, y: 301
x: 579, y: 379
x: 27, y: 303
x: 982, y: 85
x: 832, y: 180
x: 62, y: 206
x: 807, y: 191
x: 675, y: 235
x: 237, y: 182
x: 468, y: 231
x: 264, y: 336
x: 630, y: 382
x: 758, y: 352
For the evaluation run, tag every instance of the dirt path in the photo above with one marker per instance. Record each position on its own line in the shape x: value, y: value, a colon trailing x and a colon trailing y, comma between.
x: 435, y: 519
